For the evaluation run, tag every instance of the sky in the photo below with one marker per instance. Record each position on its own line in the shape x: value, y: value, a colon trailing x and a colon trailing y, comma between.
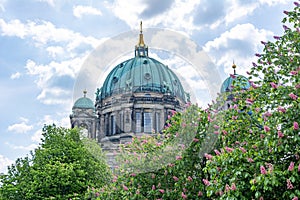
x: 45, y: 46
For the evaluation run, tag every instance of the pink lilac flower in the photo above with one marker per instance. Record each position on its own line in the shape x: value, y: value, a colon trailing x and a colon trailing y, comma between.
x: 243, y: 149
x: 133, y: 174
x: 289, y: 184
x: 196, y: 140
x: 216, y: 126
x: 173, y: 112
x: 125, y: 188
x: 291, y: 167
x: 227, y: 188
x: 249, y: 101
x: 200, y: 194
x: 190, y: 178
x: 296, y: 126
x: 299, y: 167
x: 268, y: 114
x: 262, y: 136
x: 161, y: 191
x: 281, y: 109
x: 263, y: 42
x: 294, y: 72
x: 293, y: 96
x: 250, y: 160
x: 295, y: 198
x: 183, y: 195
x: 263, y: 170
x: 206, y: 182
x: 286, y: 12
x: 153, y: 187
x: 266, y: 128
x: 228, y: 149
x: 208, y: 156
x: 234, y: 117
x: 296, y: 4
x: 276, y: 37
x: 232, y: 76
x: 285, y: 27
x: 224, y: 132
x: 270, y: 167
x: 253, y: 85
x: 280, y: 134
x: 297, y: 86
x: 216, y: 132
x: 233, y: 187
x: 178, y: 157
x: 171, y: 165
x: 258, y: 55
x: 273, y: 85
x: 217, y: 152
x: 175, y: 178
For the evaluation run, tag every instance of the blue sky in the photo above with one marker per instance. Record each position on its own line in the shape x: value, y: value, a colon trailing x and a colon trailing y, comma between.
x: 44, y: 43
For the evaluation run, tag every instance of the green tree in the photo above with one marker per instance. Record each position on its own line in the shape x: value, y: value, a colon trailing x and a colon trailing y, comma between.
x: 62, y: 167
x: 260, y: 158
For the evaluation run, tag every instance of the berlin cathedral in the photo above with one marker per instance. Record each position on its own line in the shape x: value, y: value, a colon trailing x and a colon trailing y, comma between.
x: 136, y: 98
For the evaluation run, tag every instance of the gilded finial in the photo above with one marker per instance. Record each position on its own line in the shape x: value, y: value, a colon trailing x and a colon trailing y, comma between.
x: 84, y: 93
x: 141, y: 38
x: 233, y: 67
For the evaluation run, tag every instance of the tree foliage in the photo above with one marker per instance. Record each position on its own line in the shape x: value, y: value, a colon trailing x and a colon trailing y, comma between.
x: 62, y: 167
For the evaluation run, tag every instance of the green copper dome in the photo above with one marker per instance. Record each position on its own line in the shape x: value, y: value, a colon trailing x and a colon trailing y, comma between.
x: 141, y: 74
x: 84, y: 102
x: 235, y: 80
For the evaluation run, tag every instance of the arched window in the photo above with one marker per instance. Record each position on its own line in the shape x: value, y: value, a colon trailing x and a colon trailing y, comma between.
x: 138, y: 120
x: 113, y: 125
x: 147, y: 122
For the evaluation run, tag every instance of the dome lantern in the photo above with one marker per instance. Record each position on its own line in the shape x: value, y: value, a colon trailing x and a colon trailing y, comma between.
x: 141, y: 50
x: 84, y: 102
x: 235, y: 79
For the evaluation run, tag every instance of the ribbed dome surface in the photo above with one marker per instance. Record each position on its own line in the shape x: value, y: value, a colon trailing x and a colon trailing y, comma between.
x: 141, y: 74
x: 236, y: 80
x: 84, y: 102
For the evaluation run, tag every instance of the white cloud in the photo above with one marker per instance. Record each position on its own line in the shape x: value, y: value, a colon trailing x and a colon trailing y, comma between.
x: 13, y: 28
x: 237, y: 10
x: 15, y: 75
x: 43, y: 32
x: 177, y: 17
x: 50, y: 2
x: 274, y: 2
x: 2, y: 8
x: 53, y: 96
x: 4, y: 162
x: 64, y: 47
x: 22, y: 147
x: 239, y: 44
x: 46, y: 73
x: 55, y: 51
x: 79, y: 11
x: 22, y: 127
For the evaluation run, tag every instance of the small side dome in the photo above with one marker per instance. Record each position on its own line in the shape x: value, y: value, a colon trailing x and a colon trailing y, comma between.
x: 235, y: 79
x: 84, y: 102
